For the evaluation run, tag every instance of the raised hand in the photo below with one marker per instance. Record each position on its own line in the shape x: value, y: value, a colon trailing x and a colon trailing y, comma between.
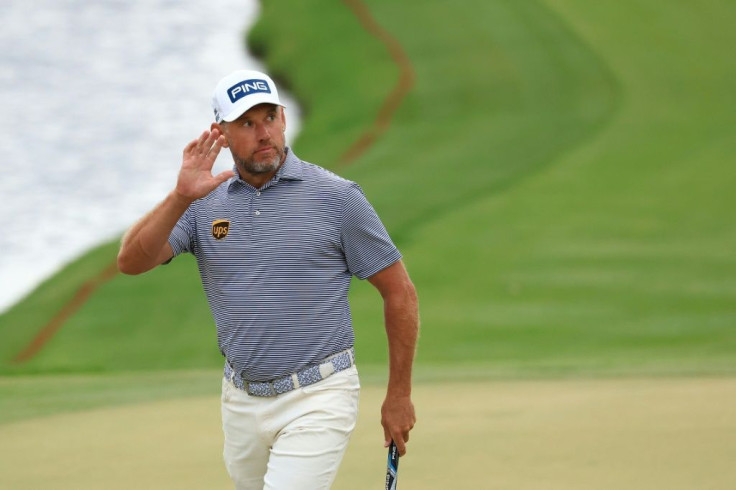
x: 195, y: 177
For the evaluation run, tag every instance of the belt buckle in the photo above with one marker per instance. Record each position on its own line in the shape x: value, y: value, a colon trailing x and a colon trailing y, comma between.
x: 254, y: 388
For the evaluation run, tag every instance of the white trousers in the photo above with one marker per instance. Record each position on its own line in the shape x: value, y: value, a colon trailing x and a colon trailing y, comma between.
x: 293, y: 441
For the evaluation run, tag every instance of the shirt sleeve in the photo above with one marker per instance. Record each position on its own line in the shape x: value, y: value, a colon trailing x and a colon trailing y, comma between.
x: 367, y: 246
x: 181, y: 238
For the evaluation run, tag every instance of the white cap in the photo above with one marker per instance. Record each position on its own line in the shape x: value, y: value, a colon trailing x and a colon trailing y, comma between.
x: 241, y: 90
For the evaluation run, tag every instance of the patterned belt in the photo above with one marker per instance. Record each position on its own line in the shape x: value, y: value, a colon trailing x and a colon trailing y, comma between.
x: 307, y: 376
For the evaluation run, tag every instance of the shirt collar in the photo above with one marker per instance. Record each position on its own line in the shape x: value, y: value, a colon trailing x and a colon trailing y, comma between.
x: 291, y: 169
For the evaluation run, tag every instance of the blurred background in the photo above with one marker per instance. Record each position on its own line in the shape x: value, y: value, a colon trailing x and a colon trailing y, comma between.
x: 557, y: 173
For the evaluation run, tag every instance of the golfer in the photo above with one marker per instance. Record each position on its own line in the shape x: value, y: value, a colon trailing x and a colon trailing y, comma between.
x: 277, y: 241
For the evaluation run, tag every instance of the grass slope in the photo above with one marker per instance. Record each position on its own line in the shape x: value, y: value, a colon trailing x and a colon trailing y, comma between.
x: 617, y: 257
x: 558, y: 181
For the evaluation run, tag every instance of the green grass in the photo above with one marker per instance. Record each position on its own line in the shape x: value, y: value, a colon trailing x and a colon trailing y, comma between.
x: 26, y: 397
x: 559, y: 181
x: 20, y: 324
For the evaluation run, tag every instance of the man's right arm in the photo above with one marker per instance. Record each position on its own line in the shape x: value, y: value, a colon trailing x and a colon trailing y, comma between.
x: 146, y: 244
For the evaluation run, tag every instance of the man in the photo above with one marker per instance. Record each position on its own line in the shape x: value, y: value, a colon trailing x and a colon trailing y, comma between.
x: 277, y: 241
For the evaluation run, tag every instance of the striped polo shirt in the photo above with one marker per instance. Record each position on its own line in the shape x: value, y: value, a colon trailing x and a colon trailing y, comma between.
x: 276, y: 264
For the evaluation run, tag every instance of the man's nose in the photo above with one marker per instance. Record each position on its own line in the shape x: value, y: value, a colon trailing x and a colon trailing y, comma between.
x: 263, y: 132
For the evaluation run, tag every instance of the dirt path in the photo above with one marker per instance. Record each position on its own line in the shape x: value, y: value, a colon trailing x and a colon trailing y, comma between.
x: 392, y: 102
x: 601, y: 434
x: 80, y: 297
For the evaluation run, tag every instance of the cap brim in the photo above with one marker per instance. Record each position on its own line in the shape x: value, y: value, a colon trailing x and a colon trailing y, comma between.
x: 247, y: 102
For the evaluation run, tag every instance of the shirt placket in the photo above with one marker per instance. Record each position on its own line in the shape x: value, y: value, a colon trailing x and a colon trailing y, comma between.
x: 258, y: 203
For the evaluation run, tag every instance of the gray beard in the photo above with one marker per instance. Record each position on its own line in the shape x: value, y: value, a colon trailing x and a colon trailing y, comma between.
x: 262, y: 167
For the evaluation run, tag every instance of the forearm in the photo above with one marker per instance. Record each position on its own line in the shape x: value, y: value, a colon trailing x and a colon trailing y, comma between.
x: 402, y: 329
x: 142, y: 245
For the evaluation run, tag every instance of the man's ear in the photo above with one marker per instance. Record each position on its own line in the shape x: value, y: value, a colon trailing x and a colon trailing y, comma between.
x: 221, y: 128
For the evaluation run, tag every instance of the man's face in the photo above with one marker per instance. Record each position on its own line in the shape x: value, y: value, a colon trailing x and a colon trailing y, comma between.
x: 256, y: 139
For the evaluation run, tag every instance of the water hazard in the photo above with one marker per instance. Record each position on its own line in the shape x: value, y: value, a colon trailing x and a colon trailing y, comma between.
x: 98, y: 101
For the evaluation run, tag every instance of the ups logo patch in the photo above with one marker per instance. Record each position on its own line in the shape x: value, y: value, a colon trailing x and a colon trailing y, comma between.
x: 220, y: 227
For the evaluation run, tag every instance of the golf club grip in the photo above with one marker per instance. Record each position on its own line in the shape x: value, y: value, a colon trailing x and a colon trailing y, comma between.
x: 392, y: 467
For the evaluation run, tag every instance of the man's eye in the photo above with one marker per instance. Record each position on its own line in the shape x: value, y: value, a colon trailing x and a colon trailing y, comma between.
x: 247, y: 124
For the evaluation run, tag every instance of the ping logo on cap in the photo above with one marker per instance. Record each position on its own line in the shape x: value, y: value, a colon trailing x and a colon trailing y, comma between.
x: 247, y: 87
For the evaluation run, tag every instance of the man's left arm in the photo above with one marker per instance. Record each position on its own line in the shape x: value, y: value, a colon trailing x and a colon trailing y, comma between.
x: 401, y: 314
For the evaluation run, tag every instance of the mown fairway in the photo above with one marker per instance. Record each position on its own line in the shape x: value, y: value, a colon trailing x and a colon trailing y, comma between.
x: 560, y: 181
x: 557, y: 434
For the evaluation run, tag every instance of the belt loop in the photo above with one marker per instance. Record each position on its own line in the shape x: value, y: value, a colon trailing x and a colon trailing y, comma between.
x: 232, y: 372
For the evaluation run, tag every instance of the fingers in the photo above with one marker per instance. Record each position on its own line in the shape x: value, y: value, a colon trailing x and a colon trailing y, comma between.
x: 215, y: 149
x: 400, y: 438
x: 190, y: 147
x: 211, y: 145
x: 400, y: 442
x: 206, y: 147
x: 195, y: 178
x: 397, y: 419
x: 197, y: 145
